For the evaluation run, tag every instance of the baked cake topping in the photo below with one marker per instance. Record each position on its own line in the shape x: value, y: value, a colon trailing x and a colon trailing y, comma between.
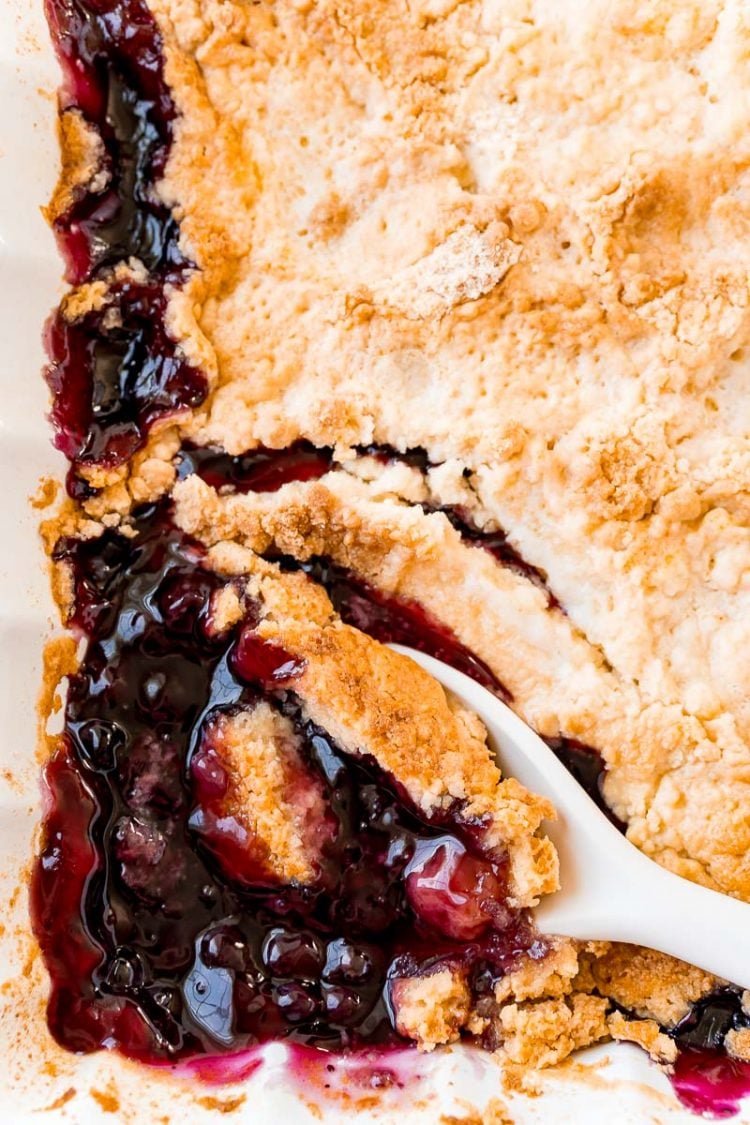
x: 255, y: 795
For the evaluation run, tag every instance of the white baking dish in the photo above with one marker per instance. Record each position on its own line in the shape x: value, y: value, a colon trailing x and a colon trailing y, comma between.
x: 617, y: 1084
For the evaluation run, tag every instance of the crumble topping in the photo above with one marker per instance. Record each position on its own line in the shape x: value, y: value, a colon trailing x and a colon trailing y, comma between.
x: 738, y: 1043
x: 270, y: 792
x: 82, y: 163
x: 645, y: 982
x: 612, y: 353
x: 544, y: 1032
x: 644, y: 1033
x: 433, y: 1009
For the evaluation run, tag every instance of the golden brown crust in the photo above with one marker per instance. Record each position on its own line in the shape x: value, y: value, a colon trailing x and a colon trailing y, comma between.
x: 737, y: 1043
x: 646, y: 1034
x: 646, y: 983
x: 544, y: 1032
x: 83, y: 163
x: 432, y: 1009
x: 494, y: 1113
x: 534, y: 977
x: 59, y: 660
x: 270, y: 792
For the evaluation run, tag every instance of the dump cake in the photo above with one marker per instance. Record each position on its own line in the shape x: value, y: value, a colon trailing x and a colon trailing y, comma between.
x: 388, y: 322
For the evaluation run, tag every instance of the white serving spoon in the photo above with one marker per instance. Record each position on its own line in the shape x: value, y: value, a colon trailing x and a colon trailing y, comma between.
x: 609, y: 890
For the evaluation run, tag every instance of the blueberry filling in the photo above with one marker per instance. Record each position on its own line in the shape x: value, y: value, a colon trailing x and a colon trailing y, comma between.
x: 706, y: 1025
x: 110, y: 53
x: 112, y: 374
x: 588, y: 768
x: 116, y: 371
x: 156, y: 942
x: 263, y: 470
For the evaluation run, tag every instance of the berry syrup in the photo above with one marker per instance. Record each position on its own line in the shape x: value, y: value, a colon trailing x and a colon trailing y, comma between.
x: 160, y: 941
x: 116, y: 371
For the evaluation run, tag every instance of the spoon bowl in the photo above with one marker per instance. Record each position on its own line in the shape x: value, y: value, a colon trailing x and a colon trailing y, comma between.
x: 609, y: 890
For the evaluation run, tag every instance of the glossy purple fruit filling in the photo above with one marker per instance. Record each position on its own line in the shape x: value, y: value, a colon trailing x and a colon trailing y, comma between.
x: 588, y: 768
x: 158, y: 943
x: 263, y: 470
x: 113, y: 373
x: 110, y: 53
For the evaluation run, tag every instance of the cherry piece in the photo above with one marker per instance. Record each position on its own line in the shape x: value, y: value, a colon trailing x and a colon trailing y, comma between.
x: 453, y: 892
x: 257, y: 661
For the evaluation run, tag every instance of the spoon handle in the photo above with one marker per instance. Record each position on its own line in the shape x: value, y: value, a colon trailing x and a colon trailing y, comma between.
x: 663, y: 911
x: 619, y: 894
x: 609, y: 890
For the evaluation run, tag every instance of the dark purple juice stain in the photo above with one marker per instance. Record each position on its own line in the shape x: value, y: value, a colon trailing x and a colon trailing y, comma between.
x: 152, y: 944
x: 706, y: 1080
x: 374, y: 1069
x: 710, y: 1083
x: 416, y: 458
x: 111, y: 58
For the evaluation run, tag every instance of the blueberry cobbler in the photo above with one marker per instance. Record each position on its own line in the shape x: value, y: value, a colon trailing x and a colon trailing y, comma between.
x: 423, y: 323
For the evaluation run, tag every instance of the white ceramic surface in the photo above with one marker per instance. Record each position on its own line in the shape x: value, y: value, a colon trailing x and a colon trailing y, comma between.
x: 35, y: 1075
